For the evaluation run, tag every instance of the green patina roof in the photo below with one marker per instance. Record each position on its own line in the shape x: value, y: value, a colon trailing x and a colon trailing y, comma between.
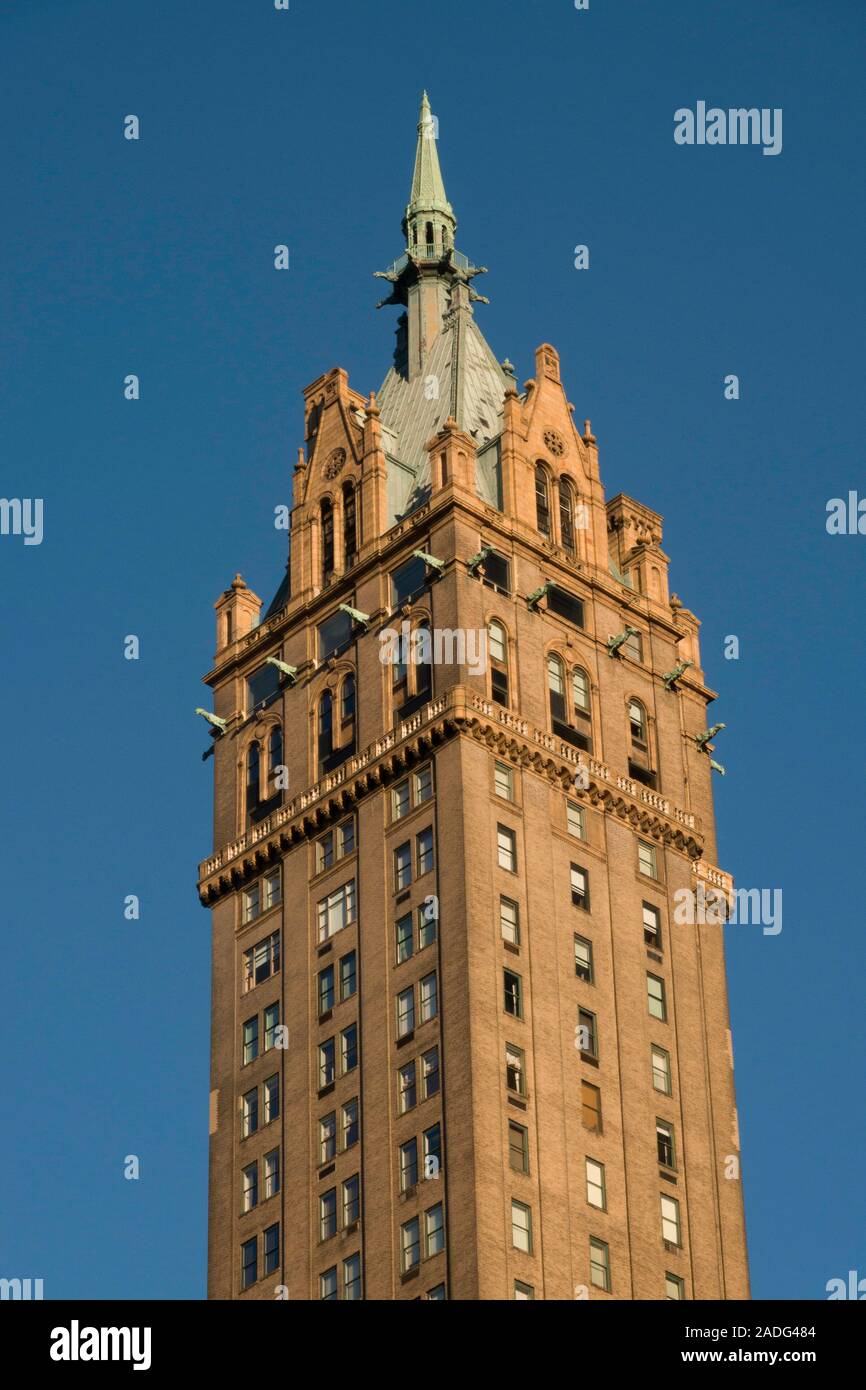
x: 428, y: 187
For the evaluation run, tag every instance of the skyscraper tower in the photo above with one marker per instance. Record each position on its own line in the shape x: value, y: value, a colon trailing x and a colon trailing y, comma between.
x: 463, y: 1045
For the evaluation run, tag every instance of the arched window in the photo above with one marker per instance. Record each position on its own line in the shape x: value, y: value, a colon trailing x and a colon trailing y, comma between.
x: 327, y: 540
x: 347, y: 700
x: 566, y: 515
x: 542, y: 500
x: 326, y: 725
x: 640, y: 762
x: 423, y: 661
x: 350, y: 525
x: 556, y: 689
x: 497, y: 642
x: 275, y: 756
x: 253, y: 770
x: 429, y: 234
x: 570, y: 707
x: 580, y: 689
x: 637, y: 723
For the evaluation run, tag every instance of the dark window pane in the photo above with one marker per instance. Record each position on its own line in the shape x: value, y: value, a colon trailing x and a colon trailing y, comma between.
x: 408, y: 580
x: 263, y: 685
x: 496, y: 572
x: 334, y: 635
x: 566, y: 605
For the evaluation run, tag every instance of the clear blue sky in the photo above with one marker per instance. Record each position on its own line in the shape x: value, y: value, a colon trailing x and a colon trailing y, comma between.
x: 156, y: 257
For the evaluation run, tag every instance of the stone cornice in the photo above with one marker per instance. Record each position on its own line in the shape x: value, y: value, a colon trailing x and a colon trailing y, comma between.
x: 458, y: 711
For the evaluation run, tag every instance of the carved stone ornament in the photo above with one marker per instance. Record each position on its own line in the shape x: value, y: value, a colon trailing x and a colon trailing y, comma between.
x: 555, y: 443
x: 335, y: 462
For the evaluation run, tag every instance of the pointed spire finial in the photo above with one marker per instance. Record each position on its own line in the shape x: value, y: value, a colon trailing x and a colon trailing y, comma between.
x: 428, y: 208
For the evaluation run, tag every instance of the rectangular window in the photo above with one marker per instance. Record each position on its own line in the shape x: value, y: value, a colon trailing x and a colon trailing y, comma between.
x: 422, y: 782
x: 430, y: 1073
x: 348, y: 976
x: 327, y: 1063
x: 337, y: 910
x: 674, y: 1287
x: 588, y: 1033
x: 346, y: 838
x: 250, y: 1178
x: 351, y: 1201
x: 575, y: 820
x: 590, y: 1097
x: 599, y: 1264
x: 523, y: 1292
x: 646, y: 859
x: 249, y: 1251
x: 251, y: 1040
x: 495, y: 572
x: 671, y: 1220
x: 518, y: 1147
x: 595, y: 1194
x: 427, y: 919
x: 408, y: 581
x: 335, y: 634
x: 271, y: 1091
x: 272, y: 1248
x: 402, y: 867
x: 655, y: 994
x: 272, y: 1173
x: 250, y: 1119
x: 272, y: 1023
x: 328, y: 1214
x: 583, y: 959
x: 437, y: 1294
x: 432, y: 1152
x: 633, y: 646
x: 434, y: 1230
x: 424, y: 850
x: 250, y: 903
x: 661, y: 1065
x: 271, y: 889
x: 665, y: 1144
x: 506, y: 842
x: 503, y: 780
x: 261, y: 961
x: 579, y: 887
x: 405, y: 1012
x: 408, y: 1164
x: 349, y: 1048
x: 652, y: 926
x: 352, y: 1277
x: 513, y: 993
x: 328, y: 1138
x: 325, y: 852
x: 499, y: 685
x: 351, y: 1123
x: 521, y: 1227
x: 515, y: 1069
x: 429, y: 997
x: 262, y: 686
x: 406, y: 1088
x: 566, y: 605
x: 410, y: 1244
x: 400, y: 800
x: 328, y: 1285
x: 509, y: 921
x: 404, y: 937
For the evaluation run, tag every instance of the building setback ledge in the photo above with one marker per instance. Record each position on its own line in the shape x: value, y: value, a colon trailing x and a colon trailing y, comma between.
x: 459, y: 711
